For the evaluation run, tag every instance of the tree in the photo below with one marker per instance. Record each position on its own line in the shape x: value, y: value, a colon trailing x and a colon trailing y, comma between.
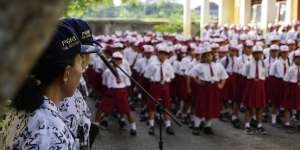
x: 25, y: 28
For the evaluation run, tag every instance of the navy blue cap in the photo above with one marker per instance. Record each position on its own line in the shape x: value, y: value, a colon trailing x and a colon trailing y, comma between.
x: 64, y: 44
x: 84, y: 33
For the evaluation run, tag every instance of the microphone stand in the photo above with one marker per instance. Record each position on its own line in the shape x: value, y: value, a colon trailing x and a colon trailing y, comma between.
x: 160, y: 108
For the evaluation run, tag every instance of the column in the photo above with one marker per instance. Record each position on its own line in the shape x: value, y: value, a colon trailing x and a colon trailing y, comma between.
x: 245, y: 11
x: 187, y: 17
x: 289, y: 9
x: 226, y: 11
x: 268, y: 13
x: 204, y: 14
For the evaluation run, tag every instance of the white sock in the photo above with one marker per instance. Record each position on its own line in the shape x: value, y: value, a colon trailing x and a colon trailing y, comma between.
x: 273, y: 118
x: 233, y: 117
x: 133, y: 126
x: 287, y: 124
x: 208, y: 123
x: 259, y: 125
x: 197, y: 121
x: 151, y: 122
x: 247, y: 124
x: 168, y: 123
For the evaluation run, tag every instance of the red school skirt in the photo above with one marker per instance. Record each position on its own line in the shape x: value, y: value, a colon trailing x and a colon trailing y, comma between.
x: 115, y: 99
x: 291, y: 96
x: 255, y: 94
x: 276, y: 91
x: 208, y: 102
x: 181, y: 87
x: 240, y: 83
x: 161, y: 93
x: 227, y: 93
x: 271, y: 83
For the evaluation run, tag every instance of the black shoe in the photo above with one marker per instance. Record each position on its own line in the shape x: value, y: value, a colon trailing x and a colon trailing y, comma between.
x: 122, y: 124
x: 191, y: 125
x: 249, y: 131
x: 278, y: 120
x: 289, y: 129
x: 222, y: 117
x: 261, y: 131
x: 208, y: 131
x: 132, y: 132
x: 196, y: 131
x: 151, y: 131
x: 253, y: 123
x: 143, y: 118
x: 104, y: 124
x: 236, y: 123
x: 201, y: 125
x: 170, y: 131
x: 185, y: 121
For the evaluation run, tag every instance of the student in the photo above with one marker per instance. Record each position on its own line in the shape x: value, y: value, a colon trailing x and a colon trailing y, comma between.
x: 276, y: 74
x: 210, y: 77
x: 255, y: 94
x: 116, y: 95
x: 35, y: 121
x: 160, y: 73
x: 291, y: 95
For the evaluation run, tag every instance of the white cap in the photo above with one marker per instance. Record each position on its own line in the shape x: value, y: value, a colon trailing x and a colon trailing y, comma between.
x: 205, y: 49
x: 249, y: 43
x: 118, y: 45
x: 163, y: 47
x: 274, y: 47
x: 214, y: 45
x: 257, y: 48
x: 297, y: 53
x: 117, y: 55
x: 284, y: 48
x: 290, y: 41
x: 224, y: 49
x: 148, y: 48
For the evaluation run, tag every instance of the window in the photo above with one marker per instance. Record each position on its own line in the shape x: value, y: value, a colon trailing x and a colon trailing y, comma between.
x: 256, y: 13
x: 281, y: 11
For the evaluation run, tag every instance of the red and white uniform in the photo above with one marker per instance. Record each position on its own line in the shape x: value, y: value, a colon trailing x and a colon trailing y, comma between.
x: 292, y: 90
x: 255, y: 92
x: 208, y: 102
x: 116, y: 95
x: 160, y: 75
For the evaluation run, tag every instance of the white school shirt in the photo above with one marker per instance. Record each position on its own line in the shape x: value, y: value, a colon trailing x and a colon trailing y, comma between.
x: 292, y: 74
x: 268, y: 62
x: 249, y: 70
x: 110, y: 81
x: 277, y: 68
x: 190, y: 66
x: 241, y: 61
x: 97, y: 63
x: 230, y: 64
x: 153, y: 71
x: 131, y: 56
x: 44, y: 128
x: 202, y: 72
x: 77, y: 114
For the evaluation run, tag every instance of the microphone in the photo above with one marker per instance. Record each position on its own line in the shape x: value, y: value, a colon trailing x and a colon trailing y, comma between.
x: 108, y: 65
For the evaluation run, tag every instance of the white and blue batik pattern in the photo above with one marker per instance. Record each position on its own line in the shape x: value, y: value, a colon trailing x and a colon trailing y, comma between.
x: 43, y: 129
x: 77, y: 114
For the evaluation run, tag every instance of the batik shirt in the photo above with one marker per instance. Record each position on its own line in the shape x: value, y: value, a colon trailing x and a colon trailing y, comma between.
x: 43, y: 129
x: 77, y: 115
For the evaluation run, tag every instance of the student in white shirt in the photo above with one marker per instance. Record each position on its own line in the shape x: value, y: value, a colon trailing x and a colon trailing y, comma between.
x: 210, y: 77
x: 275, y: 86
x: 116, y: 95
x: 160, y: 73
x: 255, y: 95
x: 292, y: 91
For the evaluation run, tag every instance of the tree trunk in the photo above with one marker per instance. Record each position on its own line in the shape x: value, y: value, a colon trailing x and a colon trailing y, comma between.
x: 25, y: 28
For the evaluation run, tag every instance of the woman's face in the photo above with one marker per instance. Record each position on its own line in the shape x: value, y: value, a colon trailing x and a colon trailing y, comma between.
x: 72, y: 75
x: 257, y: 55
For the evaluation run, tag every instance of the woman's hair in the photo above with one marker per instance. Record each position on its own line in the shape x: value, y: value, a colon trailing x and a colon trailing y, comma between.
x: 30, y: 95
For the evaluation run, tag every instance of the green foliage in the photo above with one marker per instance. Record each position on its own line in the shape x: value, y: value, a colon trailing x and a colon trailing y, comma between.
x: 174, y: 25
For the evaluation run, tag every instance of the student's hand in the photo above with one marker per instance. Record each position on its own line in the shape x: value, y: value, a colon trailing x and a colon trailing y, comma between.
x: 119, y: 80
x: 221, y: 84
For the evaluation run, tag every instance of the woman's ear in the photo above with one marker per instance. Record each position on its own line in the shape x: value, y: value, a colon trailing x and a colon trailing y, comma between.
x: 66, y: 75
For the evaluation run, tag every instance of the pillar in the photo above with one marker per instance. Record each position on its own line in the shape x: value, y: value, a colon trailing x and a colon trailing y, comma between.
x: 187, y: 18
x: 226, y: 11
x: 268, y: 13
x: 204, y: 16
x: 245, y: 11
